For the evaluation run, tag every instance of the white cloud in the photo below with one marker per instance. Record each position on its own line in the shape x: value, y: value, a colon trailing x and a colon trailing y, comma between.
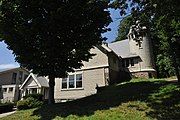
x: 6, y: 66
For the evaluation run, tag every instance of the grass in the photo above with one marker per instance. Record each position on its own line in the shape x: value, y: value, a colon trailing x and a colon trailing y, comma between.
x: 138, y: 99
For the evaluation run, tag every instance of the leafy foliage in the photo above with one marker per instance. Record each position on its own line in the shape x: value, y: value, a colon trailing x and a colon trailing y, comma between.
x: 53, y: 37
x: 139, y: 99
x: 124, y: 27
x: 162, y: 19
x: 35, y: 96
x: 28, y: 103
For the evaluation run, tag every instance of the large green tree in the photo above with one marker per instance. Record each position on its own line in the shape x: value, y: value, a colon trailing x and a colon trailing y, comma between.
x: 124, y: 27
x: 162, y: 17
x: 53, y: 37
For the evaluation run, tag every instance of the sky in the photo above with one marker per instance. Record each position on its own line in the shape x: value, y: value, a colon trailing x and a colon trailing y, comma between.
x: 7, y: 58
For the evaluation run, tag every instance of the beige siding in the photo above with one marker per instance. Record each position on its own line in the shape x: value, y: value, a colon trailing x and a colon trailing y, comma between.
x: 6, y: 82
x: 93, y: 76
x: 10, y: 96
x: 91, y: 79
x: 100, y: 59
x: 6, y: 77
x: 31, y: 84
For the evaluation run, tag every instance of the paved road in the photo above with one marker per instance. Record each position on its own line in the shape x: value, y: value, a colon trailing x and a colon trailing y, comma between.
x: 6, y: 114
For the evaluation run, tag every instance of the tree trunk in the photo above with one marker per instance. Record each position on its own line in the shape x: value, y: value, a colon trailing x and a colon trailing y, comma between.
x: 175, y: 63
x: 51, y: 89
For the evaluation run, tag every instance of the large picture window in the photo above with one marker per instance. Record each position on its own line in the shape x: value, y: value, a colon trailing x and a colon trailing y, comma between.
x: 72, y: 81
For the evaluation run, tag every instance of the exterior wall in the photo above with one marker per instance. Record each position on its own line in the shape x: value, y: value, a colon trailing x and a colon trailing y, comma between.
x: 10, y: 96
x: 6, y: 77
x: 114, y: 68
x: 95, y: 73
x: 6, y: 82
x: 144, y: 51
x: 144, y: 74
x: 100, y: 59
x: 90, y: 80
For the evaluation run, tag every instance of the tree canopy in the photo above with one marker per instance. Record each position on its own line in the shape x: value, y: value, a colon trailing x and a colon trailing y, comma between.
x: 53, y: 37
x: 124, y: 27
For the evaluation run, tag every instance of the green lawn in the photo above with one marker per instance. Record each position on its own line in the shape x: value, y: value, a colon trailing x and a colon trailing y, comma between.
x: 134, y: 100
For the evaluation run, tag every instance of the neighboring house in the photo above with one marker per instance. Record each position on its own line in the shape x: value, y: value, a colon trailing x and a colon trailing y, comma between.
x: 35, y: 84
x: 137, y: 56
x: 11, y: 79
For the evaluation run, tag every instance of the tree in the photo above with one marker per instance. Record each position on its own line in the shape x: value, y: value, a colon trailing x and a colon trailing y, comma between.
x: 124, y: 27
x: 53, y: 37
x: 161, y: 16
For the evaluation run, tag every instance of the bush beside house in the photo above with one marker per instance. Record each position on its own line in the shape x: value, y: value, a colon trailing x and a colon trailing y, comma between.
x: 30, y: 101
x: 6, y: 107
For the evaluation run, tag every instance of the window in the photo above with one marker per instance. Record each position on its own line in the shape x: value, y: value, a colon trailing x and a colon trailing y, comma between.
x: 123, y: 63
x: 64, y: 83
x: 4, y: 90
x: 127, y: 62
x: 34, y: 90
x: 132, y: 61
x: 14, y: 78
x: 78, y: 80
x: 20, y: 76
x: 10, y: 89
x: 72, y: 81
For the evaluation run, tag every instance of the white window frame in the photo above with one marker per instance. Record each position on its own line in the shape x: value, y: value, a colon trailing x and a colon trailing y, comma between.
x: 67, y: 82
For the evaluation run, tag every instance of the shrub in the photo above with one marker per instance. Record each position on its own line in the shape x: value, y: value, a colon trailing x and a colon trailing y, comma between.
x: 22, y: 104
x: 35, y: 96
x: 6, y: 107
x: 28, y: 103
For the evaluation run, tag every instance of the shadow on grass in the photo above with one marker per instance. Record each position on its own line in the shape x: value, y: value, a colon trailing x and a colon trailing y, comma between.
x: 113, y: 96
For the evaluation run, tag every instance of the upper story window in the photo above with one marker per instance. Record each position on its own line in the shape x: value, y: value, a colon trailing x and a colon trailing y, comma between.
x: 20, y: 76
x: 72, y: 81
x: 4, y: 90
x: 10, y: 90
x: 14, y: 75
x: 132, y: 61
x: 127, y: 63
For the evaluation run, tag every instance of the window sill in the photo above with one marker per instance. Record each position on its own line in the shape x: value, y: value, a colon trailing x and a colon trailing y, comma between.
x: 71, y: 89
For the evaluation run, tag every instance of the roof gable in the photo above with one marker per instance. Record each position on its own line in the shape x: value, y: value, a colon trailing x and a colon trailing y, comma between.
x: 40, y: 81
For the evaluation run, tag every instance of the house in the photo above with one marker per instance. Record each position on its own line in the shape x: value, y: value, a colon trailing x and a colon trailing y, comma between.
x: 10, y: 81
x: 111, y: 64
x: 35, y: 84
x: 102, y: 70
x: 136, y: 54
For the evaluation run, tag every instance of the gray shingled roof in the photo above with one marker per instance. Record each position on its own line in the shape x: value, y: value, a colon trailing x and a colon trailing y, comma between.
x: 6, y: 69
x: 121, y: 48
x: 43, y: 81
